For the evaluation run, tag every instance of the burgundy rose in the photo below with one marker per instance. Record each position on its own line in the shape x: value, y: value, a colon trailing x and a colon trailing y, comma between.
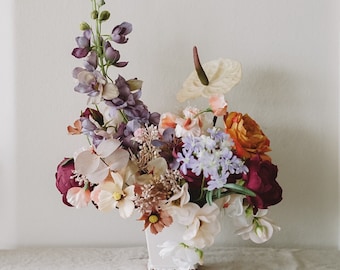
x: 195, y: 186
x: 64, y: 181
x: 262, y: 180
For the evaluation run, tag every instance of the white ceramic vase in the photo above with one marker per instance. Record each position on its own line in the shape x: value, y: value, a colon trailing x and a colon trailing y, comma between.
x: 171, y: 233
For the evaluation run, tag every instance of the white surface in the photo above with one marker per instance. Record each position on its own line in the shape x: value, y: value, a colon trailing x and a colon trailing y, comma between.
x: 136, y: 259
x: 289, y: 53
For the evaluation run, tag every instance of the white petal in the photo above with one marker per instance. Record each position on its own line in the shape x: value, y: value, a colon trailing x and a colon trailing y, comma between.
x: 107, y: 147
x: 192, y: 230
x: 126, y: 208
x: 106, y: 202
x: 130, y: 192
x: 208, y: 213
x: 261, y: 234
x: 78, y: 197
x: 245, y: 230
x: 86, y: 162
x: 110, y: 91
x: 118, y: 160
x: 157, y: 166
x: 118, y: 180
x: 185, y: 215
x: 86, y: 77
x: 99, y: 175
x: 223, y: 74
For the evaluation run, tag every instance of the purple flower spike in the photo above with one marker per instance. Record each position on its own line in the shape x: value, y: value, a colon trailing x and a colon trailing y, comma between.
x: 112, y: 55
x: 84, y: 45
x: 120, y: 31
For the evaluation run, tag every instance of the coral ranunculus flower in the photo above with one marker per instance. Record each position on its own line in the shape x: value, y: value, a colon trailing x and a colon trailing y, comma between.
x: 247, y: 135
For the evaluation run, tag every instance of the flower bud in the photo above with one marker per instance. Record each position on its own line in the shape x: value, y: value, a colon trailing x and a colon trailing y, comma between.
x: 94, y: 14
x: 134, y: 84
x: 100, y: 3
x: 84, y: 26
x: 104, y: 15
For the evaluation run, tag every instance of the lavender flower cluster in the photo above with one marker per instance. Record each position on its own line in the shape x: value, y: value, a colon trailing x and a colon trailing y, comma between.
x: 211, y: 155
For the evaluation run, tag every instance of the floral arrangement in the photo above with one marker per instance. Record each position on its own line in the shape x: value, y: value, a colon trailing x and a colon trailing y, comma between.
x: 175, y: 167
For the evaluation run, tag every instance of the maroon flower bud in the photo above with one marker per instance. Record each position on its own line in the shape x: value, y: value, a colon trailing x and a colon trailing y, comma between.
x: 64, y: 179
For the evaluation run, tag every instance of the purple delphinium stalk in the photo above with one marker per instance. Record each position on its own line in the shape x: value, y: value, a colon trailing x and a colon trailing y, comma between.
x: 130, y: 104
x: 84, y: 45
x: 112, y: 55
x: 120, y: 32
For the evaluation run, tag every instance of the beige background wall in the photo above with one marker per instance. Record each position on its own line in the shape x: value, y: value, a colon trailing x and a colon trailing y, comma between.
x: 289, y: 53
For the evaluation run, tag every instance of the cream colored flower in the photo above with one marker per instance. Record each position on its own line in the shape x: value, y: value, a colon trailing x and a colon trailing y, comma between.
x: 78, y: 197
x: 96, y: 162
x: 260, y: 228
x: 223, y: 74
x: 183, y: 256
x: 202, y: 224
x: 191, y: 123
x: 112, y: 195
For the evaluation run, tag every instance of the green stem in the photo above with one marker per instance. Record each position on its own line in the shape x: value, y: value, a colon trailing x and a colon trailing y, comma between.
x: 98, y: 40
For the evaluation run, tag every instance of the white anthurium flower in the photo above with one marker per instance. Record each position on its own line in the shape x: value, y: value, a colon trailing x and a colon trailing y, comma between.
x: 112, y: 195
x: 95, y: 163
x: 260, y: 230
x: 202, y: 224
x: 183, y: 256
x: 223, y: 74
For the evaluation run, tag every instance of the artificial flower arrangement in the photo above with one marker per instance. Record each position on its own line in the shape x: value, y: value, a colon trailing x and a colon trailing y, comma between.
x: 175, y: 167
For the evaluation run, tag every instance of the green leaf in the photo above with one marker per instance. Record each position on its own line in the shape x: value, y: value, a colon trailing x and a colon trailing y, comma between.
x: 240, y: 189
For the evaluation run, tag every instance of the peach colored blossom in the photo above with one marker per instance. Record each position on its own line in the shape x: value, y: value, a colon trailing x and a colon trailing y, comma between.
x: 76, y: 129
x: 218, y: 105
x: 78, y: 197
x: 190, y: 124
x: 167, y: 120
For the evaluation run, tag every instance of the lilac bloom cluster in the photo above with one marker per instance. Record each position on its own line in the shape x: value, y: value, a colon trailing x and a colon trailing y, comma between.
x: 211, y: 156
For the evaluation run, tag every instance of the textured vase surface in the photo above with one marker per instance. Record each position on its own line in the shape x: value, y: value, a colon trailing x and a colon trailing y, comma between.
x: 156, y: 262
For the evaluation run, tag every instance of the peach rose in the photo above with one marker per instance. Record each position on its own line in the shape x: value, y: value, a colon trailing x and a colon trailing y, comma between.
x: 247, y: 135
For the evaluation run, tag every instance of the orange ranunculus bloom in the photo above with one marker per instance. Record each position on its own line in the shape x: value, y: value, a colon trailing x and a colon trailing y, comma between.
x: 247, y: 135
